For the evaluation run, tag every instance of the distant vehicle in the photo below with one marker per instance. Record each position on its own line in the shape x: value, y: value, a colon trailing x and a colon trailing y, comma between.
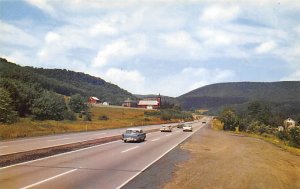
x: 203, y: 122
x: 134, y: 135
x: 187, y: 127
x: 180, y: 125
x: 166, y: 128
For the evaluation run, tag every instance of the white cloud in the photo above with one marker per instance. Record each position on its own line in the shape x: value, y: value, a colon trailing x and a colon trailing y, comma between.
x: 265, y: 47
x: 11, y: 34
x: 219, y: 13
x: 191, y: 78
x: 120, y: 49
x: 131, y: 80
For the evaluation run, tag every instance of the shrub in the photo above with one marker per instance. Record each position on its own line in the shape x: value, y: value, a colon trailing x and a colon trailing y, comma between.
x: 49, y: 106
x: 165, y: 117
x: 103, y: 117
x: 87, y: 117
x: 7, y: 115
x: 295, y: 136
x: 70, y: 115
x: 283, y: 135
x: 147, y: 119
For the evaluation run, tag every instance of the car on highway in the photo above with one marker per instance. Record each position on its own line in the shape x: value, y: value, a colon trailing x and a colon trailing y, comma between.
x: 180, y: 125
x: 166, y: 128
x: 134, y: 135
x: 187, y: 127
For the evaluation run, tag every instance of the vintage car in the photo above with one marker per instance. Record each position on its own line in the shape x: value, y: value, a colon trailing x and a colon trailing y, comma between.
x: 180, y: 125
x: 166, y: 128
x: 187, y: 127
x: 134, y: 135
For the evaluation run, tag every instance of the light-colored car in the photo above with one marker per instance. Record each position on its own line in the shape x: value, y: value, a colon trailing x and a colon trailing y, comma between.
x: 166, y: 128
x: 134, y: 135
x: 187, y: 127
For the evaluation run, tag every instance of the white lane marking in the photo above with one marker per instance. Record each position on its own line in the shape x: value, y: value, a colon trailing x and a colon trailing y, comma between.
x: 119, y: 187
x: 129, y: 149
x: 99, y: 134
x: 51, y: 178
x: 58, y: 139
x: 3, y: 147
x: 155, y: 139
x: 168, y: 135
x: 57, y: 155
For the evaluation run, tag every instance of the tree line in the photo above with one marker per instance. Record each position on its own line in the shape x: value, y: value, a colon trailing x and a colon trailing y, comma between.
x: 21, y: 100
x: 259, y: 119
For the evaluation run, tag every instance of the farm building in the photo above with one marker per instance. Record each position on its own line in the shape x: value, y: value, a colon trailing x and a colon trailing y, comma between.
x: 289, y: 123
x: 93, y: 100
x: 150, y: 103
x: 129, y: 103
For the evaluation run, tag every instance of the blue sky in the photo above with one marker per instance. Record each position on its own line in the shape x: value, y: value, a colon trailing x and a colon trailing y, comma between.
x: 155, y: 46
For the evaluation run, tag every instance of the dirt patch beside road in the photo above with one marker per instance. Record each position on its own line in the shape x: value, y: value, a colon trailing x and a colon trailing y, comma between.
x: 226, y: 160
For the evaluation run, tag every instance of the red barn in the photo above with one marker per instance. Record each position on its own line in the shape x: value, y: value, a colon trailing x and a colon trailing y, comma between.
x: 93, y: 100
x: 150, y: 103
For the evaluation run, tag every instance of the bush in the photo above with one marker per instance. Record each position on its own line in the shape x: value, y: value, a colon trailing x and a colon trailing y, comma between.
x: 283, y: 135
x: 87, y: 117
x: 103, y: 117
x: 77, y: 103
x: 7, y: 115
x: 295, y: 136
x: 147, y: 119
x: 49, y: 106
x: 165, y: 117
x: 70, y: 115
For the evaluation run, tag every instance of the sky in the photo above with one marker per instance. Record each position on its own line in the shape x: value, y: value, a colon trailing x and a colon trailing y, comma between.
x: 156, y: 46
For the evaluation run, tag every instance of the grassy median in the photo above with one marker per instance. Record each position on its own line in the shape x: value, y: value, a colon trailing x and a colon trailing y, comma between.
x: 115, y: 118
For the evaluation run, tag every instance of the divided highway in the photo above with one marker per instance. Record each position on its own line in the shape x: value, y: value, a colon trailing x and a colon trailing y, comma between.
x: 109, y: 165
x: 21, y: 145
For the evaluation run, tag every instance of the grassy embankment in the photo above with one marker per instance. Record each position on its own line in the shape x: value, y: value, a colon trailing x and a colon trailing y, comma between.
x: 218, y: 125
x: 117, y: 118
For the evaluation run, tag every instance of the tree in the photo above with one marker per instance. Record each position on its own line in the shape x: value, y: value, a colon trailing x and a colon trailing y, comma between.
x: 49, y: 106
x: 77, y: 103
x: 7, y: 115
x: 229, y: 118
x: 261, y: 113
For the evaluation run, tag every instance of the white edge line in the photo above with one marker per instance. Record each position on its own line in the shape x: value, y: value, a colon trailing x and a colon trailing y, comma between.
x: 54, y: 177
x: 129, y: 149
x: 58, y: 139
x: 59, y: 155
x: 155, y: 139
x: 127, y: 181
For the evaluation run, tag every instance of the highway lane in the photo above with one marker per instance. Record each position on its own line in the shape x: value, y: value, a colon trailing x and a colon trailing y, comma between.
x: 21, y: 145
x: 108, y: 165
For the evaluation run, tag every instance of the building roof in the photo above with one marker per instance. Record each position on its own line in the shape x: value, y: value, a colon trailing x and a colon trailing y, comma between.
x: 94, y: 98
x: 129, y: 100
x: 148, y: 103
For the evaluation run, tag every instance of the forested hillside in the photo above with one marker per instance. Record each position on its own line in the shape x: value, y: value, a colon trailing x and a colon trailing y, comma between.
x: 63, y: 82
x: 283, y: 97
x: 22, y: 87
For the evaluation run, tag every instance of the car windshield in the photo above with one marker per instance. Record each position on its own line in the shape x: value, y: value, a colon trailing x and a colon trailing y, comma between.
x: 133, y: 131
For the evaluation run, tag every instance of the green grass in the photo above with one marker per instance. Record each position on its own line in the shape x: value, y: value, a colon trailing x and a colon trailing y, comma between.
x: 118, y: 118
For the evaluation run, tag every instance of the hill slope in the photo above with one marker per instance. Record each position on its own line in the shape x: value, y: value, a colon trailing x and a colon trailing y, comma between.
x: 216, y: 96
x: 64, y: 82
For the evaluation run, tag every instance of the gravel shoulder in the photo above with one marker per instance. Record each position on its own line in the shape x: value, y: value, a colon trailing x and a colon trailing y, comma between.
x: 215, y: 159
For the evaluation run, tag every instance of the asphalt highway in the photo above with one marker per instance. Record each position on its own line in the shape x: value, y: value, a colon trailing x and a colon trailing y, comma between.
x: 21, y: 145
x: 109, y: 165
